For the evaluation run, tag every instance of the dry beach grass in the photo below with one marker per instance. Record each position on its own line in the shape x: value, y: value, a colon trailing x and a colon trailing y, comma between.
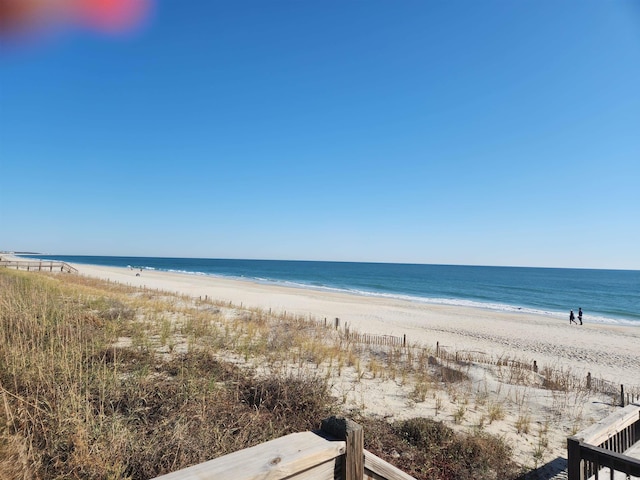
x: 106, y: 380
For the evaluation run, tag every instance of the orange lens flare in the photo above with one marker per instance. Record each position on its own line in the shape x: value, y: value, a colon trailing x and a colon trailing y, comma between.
x: 109, y: 16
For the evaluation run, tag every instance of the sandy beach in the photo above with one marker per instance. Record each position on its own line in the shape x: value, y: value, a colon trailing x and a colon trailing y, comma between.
x: 606, y: 351
x: 534, y: 420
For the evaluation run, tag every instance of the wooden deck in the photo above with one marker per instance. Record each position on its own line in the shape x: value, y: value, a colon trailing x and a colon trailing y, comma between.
x: 608, y: 449
x: 38, y: 266
x: 334, y: 453
x: 607, y: 473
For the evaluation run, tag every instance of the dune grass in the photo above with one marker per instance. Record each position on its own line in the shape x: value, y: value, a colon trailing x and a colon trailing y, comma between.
x: 100, y: 380
x: 77, y: 405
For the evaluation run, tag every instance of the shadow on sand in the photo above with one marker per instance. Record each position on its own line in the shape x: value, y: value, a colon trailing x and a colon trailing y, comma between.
x: 556, y: 468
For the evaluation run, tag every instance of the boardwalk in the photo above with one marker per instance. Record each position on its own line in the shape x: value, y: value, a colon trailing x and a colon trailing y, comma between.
x: 607, y: 449
x: 38, y: 266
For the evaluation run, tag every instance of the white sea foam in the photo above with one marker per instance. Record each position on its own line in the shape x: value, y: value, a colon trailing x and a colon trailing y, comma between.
x: 499, y: 307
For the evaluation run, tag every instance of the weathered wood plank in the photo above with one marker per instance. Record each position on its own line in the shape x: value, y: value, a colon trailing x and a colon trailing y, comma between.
x: 354, y: 469
x: 633, y: 451
x: 599, y: 432
x: 284, y: 457
x: 324, y: 471
x: 375, y: 469
x: 340, y: 428
x: 603, y: 444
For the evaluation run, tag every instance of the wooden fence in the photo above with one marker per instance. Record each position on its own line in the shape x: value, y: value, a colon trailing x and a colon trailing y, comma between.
x: 622, y: 395
x: 604, y: 444
x: 628, y: 395
x: 374, y: 339
x: 336, y: 452
x: 38, y: 266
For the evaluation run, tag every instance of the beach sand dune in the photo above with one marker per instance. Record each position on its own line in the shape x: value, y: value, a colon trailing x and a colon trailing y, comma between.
x: 535, y: 421
x: 608, y: 351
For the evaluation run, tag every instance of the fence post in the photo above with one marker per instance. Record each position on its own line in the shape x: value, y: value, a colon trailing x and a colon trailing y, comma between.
x: 574, y: 462
x: 588, y: 380
x: 437, y: 349
x: 353, y: 434
x: 622, y: 395
x: 337, y: 323
x: 535, y: 366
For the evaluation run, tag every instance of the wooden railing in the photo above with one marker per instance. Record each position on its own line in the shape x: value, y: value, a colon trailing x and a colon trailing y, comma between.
x: 336, y: 452
x: 604, y: 444
x: 38, y: 266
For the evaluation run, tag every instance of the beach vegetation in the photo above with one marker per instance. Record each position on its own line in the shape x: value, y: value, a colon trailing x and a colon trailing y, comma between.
x: 78, y: 404
x: 523, y: 423
x: 430, y: 449
x: 496, y: 412
x: 459, y: 413
x: 438, y: 404
x: 102, y: 380
x: 420, y: 391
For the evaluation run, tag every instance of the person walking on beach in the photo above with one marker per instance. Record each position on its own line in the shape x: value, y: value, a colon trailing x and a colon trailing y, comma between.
x: 580, y: 315
x: 572, y: 318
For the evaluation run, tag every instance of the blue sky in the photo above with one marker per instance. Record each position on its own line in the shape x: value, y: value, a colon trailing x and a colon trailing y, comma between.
x: 457, y: 132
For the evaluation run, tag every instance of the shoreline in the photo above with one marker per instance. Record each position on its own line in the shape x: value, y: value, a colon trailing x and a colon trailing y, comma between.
x: 594, y: 316
x: 455, y: 303
x: 605, y: 350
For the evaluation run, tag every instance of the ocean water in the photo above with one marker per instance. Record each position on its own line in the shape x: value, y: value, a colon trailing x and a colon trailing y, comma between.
x: 606, y: 296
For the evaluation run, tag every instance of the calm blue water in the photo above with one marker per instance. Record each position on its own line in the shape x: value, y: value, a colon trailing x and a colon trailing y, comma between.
x: 606, y: 296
